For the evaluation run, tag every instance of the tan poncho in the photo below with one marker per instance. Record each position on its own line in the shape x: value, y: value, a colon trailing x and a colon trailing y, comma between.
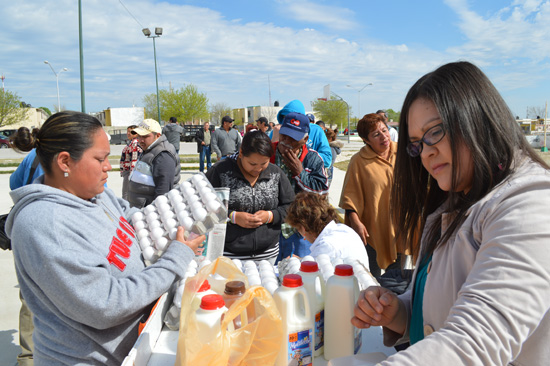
x: 367, y: 189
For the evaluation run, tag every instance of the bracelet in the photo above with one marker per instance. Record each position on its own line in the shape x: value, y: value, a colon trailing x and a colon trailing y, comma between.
x: 270, y: 217
x: 232, y: 217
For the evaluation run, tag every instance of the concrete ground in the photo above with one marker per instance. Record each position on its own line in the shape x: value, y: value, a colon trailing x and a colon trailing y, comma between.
x: 9, y: 310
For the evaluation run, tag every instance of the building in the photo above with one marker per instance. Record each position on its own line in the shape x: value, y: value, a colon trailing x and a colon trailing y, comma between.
x: 34, y: 118
x: 121, y: 117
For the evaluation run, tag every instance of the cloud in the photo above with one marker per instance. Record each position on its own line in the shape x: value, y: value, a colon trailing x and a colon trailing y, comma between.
x: 332, y: 17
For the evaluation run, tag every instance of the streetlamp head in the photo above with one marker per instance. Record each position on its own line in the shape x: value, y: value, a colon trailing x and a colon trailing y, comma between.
x: 158, y: 31
x: 146, y: 32
x: 46, y: 62
x: 65, y: 69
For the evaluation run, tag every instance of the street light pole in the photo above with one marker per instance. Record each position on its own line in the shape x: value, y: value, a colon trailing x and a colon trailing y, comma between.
x: 57, y: 82
x: 359, y: 98
x: 347, y: 105
x: 158, y: 33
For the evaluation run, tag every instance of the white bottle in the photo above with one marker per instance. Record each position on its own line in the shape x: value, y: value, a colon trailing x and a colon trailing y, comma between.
x: 297, y: 342
x: 202, y: 291
x: 209, y: 316
x: 315, y: 288
x: 342, y: 292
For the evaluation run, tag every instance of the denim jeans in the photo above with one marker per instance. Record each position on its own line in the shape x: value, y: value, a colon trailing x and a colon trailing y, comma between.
x: 294, y: 245
x: 205, y: 152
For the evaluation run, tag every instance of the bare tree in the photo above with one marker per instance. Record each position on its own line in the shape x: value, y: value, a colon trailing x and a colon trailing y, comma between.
x: 534, y: 112
x: 217, y: 111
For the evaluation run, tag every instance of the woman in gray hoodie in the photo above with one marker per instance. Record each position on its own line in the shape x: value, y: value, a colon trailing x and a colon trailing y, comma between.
x: 77, y: 259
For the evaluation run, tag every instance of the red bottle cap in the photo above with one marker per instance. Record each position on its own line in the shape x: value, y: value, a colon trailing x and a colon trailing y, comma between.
x: 292, y: 280
x: 204, y: 287
x: 343, y: 270
x: 212, y: 302
x: 309, y: 266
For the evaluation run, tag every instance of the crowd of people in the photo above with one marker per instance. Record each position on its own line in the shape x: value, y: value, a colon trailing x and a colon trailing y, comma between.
x: 459, y: 189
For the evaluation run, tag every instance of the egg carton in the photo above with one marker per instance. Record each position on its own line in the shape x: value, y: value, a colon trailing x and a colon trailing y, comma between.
x: 193, y: 204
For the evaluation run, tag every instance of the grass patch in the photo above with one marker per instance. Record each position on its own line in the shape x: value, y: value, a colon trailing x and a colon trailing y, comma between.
x: 342, y: 165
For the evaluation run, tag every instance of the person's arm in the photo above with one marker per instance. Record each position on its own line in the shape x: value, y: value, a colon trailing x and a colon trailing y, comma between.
x: 286, y: 197
x: 214, y: 144
x: 77, y: 282
x: 320, y: 144
x: 313, y: 178
x: 164, y: 167
x: 239, y: 141
x: 355, y: 223
x: 199, y: 136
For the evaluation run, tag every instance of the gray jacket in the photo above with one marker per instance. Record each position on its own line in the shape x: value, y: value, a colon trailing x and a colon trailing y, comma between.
x: 81, y: 272
x: 156, y: 172
x: 225, y: 143
x: 173, y: 132
x: 487, y: 294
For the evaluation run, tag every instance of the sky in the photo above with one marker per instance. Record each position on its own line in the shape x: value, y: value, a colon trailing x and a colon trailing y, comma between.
x: 248, y: 53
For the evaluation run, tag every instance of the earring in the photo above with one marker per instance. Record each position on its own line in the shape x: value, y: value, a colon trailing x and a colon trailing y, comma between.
x: 66, y: 174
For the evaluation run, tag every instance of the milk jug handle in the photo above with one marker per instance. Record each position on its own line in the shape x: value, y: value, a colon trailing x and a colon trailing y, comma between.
x: 307, y: 308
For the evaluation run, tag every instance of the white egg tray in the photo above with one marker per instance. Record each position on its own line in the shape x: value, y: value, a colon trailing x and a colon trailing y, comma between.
x: 193, y: 204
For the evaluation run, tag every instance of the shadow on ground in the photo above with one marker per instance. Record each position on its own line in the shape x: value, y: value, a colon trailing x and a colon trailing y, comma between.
x: 8, y: 350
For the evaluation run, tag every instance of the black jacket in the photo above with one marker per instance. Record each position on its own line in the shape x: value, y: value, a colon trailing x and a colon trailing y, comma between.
x: 272, y: 191
x: 199, y: 136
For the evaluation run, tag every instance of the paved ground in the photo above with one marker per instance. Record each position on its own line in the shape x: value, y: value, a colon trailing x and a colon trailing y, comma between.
x: 9, y: 289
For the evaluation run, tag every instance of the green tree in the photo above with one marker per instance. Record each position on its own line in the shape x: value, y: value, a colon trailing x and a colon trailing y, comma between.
x: 393, y: 115
x: 332, y: 111
x: 187, y: 104
x: 47, y: 110
x: 10, y: 108
x: 217, y: 111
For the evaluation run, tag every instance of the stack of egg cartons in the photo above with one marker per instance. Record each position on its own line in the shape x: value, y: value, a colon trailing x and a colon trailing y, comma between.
x: 193, y: 204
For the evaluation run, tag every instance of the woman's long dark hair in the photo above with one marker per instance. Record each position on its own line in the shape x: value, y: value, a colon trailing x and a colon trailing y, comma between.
x: 257, y: 142
x: 473, y: 113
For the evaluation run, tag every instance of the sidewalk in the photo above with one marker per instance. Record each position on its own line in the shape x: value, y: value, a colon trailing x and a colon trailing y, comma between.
x: 9, y: 311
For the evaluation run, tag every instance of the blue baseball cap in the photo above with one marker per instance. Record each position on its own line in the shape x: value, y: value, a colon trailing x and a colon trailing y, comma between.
x: 295, y: 125
x: 311, y: 117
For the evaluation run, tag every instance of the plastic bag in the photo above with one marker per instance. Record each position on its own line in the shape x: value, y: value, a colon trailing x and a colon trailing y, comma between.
x: 254, y: 344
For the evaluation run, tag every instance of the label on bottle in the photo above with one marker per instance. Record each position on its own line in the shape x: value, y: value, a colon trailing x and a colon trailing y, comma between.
x: 358, y: 340
x: 319, y: 329
x: 299, y: 348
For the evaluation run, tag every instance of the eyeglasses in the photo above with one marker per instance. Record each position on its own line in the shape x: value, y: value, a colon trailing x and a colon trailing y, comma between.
x: 430, y: 138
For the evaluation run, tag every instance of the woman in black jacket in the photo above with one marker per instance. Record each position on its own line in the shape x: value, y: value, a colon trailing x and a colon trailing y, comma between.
x: 260, y: 194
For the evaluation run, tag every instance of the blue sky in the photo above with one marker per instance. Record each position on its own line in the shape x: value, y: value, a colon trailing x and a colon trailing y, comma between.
x: 228, y: 49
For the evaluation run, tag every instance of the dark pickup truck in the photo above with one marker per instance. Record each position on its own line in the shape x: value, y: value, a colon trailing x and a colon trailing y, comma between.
x: 189, y: 132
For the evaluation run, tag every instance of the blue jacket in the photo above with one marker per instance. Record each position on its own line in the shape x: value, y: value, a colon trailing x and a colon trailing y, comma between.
x: 317, y: 139
x: 21, y: 175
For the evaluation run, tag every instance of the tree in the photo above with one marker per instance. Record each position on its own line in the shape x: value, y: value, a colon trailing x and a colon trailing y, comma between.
x: 186, y: 104
x: 534, y: 112
x: 10, y: 108
x: 217, y: 111
x: 393, y: 115
x: 47, y: 110
x: 332, y: 111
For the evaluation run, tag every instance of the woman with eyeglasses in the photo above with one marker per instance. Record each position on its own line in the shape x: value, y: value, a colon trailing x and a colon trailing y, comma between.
x: 469, y: 181
x: 366, y: 193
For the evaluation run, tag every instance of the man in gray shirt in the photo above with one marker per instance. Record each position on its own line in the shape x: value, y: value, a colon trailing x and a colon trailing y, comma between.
x: 173, y: 131
x: 226, y: 140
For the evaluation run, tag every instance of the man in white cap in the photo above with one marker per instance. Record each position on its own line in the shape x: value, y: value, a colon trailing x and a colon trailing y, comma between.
x: 158, y: 170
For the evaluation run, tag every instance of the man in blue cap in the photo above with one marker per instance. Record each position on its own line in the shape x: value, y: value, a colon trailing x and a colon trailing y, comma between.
x: 304, y: 168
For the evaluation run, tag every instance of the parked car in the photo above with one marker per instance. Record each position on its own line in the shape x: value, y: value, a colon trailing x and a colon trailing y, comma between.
x: 4, y: 141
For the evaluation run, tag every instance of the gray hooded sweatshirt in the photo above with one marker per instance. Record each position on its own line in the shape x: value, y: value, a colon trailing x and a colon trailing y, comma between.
x: 81, y: 272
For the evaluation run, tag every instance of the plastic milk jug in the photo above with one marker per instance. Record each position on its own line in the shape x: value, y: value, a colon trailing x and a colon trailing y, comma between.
x: 209, y: 317
x: 315, y: 288
x: 342, y: 292
x: 201, y: 292
x: 297, y: 342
